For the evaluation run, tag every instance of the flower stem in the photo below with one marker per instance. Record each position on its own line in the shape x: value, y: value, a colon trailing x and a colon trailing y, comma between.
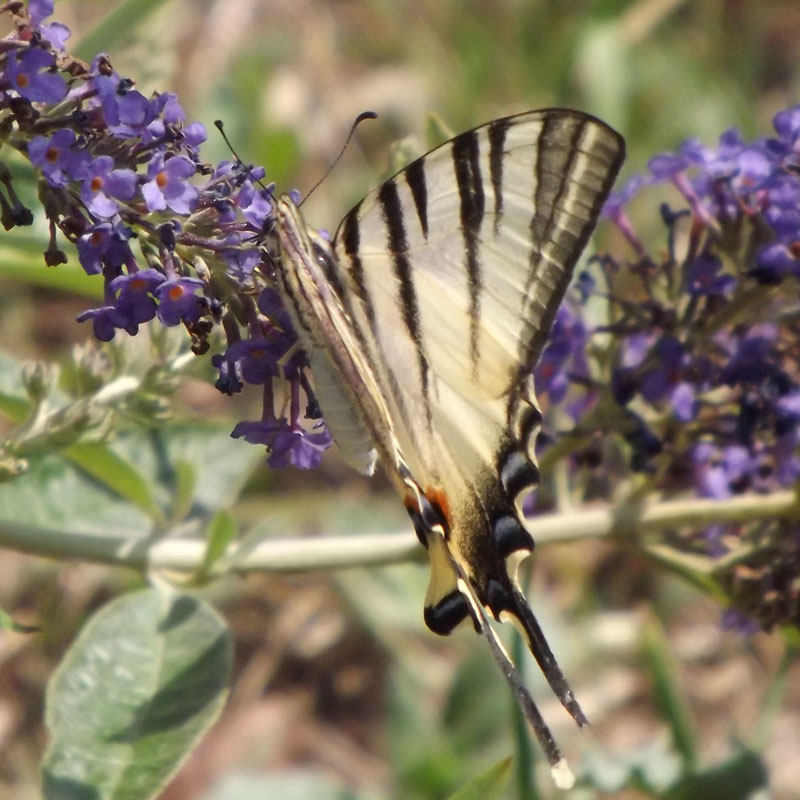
x: 182, y: 552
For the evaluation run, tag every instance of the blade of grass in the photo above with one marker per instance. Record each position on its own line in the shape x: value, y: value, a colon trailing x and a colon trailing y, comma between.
x: 525, y: 771
x: 666, y: 687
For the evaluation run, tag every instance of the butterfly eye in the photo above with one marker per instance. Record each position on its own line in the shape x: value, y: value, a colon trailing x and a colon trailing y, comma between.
x: 318, y: 253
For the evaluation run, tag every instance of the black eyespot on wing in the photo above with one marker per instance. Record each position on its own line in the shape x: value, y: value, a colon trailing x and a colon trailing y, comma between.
x: 517, y: 472
x: 449, y: 612
x: 509, y: 536
x: 531, y: 419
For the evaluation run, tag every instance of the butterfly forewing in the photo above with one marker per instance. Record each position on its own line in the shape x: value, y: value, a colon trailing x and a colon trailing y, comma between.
x: 430, y: 314
x: 451, y: 273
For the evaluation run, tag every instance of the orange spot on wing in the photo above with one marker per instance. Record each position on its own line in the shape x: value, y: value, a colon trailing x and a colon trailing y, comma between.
x: 438, y: 499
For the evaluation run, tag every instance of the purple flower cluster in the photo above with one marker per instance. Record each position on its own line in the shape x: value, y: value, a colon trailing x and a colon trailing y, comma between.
x: 737, y: 182
x: 698, y: 366
x: 711, y: 358
x: 175, y: 239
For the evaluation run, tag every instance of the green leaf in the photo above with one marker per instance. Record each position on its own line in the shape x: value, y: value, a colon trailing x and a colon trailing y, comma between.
x: 437, y: 130
x: 183, y: 489
x: 220, y: 533
x: 477, y: 707
x: 525, y: 773
x: 738, y: 778
x: 56, y: 495
x: 488, y: 786
x: 221, y: 464
x: 145, y: 679
x: 116, y: 473
x: 61, y: 510
x: 775, y: 694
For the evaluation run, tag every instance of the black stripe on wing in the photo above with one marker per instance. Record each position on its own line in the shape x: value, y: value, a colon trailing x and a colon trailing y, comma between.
x: 497, y: 138
x: 351, y: 241
x: 415, y: 178
x: 397, y: 245
x: 466, y: 163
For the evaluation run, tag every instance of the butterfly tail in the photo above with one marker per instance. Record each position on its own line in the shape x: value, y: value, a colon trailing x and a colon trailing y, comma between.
x: 537, y: 643
x: 559, y: 768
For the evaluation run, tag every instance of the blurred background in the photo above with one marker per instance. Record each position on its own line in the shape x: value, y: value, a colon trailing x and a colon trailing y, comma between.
x: 340, y: 691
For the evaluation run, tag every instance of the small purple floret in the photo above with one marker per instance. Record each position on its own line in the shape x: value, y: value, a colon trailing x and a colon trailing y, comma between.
x: 58, y: 158
x: 30, y: 75
x: 103, y: 186
x: 168, y: 184
x: 178, y: 301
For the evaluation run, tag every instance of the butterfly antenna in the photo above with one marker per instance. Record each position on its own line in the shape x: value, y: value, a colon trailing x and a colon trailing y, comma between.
x: 219, y: 125
x: 356, y: 122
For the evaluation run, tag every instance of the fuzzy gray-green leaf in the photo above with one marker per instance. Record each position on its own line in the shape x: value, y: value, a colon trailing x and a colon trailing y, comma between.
x: 144, y: 680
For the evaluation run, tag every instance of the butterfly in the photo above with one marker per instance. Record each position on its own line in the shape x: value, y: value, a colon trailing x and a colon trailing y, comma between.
x: 423, y: 319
